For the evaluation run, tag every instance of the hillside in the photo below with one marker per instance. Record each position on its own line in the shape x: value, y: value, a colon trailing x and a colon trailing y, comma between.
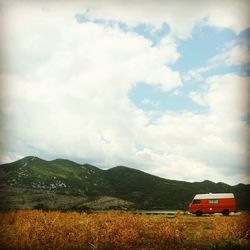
x: 63, y: 184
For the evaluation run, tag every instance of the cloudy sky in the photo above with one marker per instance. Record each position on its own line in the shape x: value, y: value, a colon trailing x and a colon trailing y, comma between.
x: 155, y: 85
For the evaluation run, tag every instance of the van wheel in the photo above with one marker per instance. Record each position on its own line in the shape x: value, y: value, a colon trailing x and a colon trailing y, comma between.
x: 225, y: 212
x: 198, y: 213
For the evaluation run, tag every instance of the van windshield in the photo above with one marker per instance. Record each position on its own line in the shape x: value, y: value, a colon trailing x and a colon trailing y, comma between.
x: 196, y: 201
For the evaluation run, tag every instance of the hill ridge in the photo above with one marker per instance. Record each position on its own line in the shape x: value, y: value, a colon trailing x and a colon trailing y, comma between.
x: 35, y: 180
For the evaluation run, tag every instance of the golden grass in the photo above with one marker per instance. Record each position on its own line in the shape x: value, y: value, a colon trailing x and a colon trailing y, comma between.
x: 33, y: 229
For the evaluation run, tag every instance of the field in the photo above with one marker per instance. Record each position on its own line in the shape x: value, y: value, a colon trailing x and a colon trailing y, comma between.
x: 35, y: 229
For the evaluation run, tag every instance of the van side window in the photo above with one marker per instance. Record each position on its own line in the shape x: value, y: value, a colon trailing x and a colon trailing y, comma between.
x: 213, y: 201
x: 196, y: 201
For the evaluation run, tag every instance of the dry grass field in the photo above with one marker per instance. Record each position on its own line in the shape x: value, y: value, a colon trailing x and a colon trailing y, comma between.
x: 34, y: 229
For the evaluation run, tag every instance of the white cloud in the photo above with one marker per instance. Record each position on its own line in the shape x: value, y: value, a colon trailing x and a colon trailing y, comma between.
x: 150, y: 102
x: 198, y: 98
x: 196, y: 74
x: 181, y: 16
x: 233, y: 54
x: 227, y: 95
x: 168, y: 50
x: 238, y: 55
x: 195, y: 147
x: 212, y: 145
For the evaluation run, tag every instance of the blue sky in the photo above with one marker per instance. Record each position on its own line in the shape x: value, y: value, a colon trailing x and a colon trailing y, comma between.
x: 158, y: 86
x: 205, y: 43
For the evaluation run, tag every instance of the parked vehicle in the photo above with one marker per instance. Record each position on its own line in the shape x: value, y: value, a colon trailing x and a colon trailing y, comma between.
x: 213, y: 203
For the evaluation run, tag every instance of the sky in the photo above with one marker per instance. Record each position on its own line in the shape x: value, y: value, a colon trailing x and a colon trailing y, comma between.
x: 160, y: 86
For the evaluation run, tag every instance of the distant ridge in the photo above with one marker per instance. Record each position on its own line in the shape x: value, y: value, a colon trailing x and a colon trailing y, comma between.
x: 64, y: 184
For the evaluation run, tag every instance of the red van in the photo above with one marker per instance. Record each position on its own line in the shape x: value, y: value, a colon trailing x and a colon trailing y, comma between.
x: 213, y: 203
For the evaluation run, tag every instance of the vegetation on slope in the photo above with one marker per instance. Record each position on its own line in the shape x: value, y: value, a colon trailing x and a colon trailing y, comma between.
x: 32, y: 181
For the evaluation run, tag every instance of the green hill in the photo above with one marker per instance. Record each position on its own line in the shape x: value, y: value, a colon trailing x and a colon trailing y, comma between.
x: 63, y: 184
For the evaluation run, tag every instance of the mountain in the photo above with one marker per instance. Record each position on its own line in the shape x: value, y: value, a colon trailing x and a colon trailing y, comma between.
x: 63, y: 184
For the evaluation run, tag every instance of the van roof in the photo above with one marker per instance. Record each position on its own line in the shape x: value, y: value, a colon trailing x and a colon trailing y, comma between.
x: 213, y: 196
